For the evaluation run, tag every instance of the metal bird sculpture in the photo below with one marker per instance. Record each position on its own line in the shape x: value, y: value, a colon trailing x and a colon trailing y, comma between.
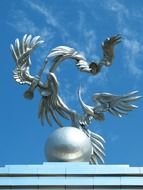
x: 61, y: 53
x: 52, y: 105
x: 106, y: 102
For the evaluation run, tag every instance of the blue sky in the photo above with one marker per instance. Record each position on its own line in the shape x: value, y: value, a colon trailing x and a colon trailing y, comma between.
x: 82, y: 24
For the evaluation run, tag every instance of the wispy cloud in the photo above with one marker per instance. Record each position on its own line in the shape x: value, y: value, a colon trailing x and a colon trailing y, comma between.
x: 131, y: 42
x: 117, y: 7
x: 50, y: 24
x: 134, y: 51
x: 101, y: 78
x: 48, y: 16
x: 68, y: 94
x: 88, y: 36
x: 22, y: 23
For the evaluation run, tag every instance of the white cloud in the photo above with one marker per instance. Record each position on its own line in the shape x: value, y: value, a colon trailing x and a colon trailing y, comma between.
x: 90, y: 48
x: 50, y: 19
x: 134, y: 51
x: 101, y: 78
x: 134, y: 46
x: 88, y: 35
x: 131, y: 42
x: 117, y: 7
x: 22, y: 23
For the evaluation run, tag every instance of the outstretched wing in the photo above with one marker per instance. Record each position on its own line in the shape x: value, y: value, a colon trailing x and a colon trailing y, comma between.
x: 61, y: 53
x: 21, y: 52
x: 96, y: 140
x: 114, y: 104
x: 108, y: 49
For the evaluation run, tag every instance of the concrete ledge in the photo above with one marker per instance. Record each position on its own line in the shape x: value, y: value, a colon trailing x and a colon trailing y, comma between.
x: 71, y: 176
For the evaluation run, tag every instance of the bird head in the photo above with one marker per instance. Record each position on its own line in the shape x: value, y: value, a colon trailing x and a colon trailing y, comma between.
x: 94, y: 67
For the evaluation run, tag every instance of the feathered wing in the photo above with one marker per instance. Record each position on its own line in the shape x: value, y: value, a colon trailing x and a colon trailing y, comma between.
x: 108, y: 49
x: 105, y: 102
x: 89, y: 113
x: 61, y: 53
x: 52, y: 106
x: 21, y: 52
x: 97, y: 142
x: 114, y: 104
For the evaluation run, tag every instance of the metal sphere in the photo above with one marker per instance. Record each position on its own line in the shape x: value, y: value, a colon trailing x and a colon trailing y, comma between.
x: 68, y: 144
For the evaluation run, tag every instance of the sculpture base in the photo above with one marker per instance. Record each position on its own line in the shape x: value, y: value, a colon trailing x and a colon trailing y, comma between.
x: 71, y: 176
x: 68, y: 144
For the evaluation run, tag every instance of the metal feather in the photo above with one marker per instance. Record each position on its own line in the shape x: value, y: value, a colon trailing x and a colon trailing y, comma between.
x: 97, y: 142
x: 115, y: 104
x: 93, y: 159
x: 108, y: 49
x: 98, y: 155
x: 21, y: 52
x: 98, y: 137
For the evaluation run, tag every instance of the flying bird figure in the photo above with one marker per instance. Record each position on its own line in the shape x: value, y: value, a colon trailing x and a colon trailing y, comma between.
x: 52, y: 105
x: 61, y: 53
x: 21, y: 52
x: 104, y: 102
x: 117, y: 105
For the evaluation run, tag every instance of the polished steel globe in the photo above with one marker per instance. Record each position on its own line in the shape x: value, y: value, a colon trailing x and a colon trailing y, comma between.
x: 68, y: 144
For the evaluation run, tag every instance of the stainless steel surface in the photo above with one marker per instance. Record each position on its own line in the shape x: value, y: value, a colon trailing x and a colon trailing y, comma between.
x: 68, y: 144
x: 106, y: 102
x: 61, y: 53
x: 52, y: 105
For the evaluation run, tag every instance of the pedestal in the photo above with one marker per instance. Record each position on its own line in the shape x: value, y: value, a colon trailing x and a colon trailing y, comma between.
x: 71, y: 176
